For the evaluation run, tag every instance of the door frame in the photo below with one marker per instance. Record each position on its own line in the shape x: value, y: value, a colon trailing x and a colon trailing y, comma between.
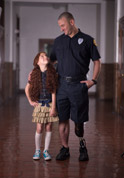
x: 120, y: 72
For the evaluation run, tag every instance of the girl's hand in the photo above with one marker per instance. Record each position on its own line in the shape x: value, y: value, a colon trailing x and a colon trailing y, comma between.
x: 53, y: 113
x: 33, y: 103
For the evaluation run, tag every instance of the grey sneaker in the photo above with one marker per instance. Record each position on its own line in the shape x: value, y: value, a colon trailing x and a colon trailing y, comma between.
x: 46, y: 155
x: 37, y: 155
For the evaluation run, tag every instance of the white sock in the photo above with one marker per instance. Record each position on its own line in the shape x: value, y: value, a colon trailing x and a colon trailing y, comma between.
x: 47, y: 140
x: 37, y: 141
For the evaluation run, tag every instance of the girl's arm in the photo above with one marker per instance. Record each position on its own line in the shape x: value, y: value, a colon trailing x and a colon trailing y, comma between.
x: 32, y: 103
x: 53, y: 108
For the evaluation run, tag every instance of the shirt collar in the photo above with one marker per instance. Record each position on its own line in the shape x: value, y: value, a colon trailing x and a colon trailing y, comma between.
x: 66, y: 36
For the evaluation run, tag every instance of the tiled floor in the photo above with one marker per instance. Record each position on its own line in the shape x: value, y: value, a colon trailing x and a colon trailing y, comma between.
x: 104, y: 134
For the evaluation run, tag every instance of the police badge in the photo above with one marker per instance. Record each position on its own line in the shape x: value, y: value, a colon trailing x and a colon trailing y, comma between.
x: 80, y: 40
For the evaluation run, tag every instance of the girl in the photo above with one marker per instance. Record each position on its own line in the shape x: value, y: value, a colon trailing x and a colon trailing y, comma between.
x: 41, y: 93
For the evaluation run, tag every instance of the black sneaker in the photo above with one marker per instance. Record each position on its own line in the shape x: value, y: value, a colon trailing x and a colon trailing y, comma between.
x: 122, y: 155
x: 63, y: 154
x: 83, y: 151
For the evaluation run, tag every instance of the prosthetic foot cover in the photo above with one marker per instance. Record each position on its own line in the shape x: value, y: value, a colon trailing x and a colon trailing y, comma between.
x: 83, y: 151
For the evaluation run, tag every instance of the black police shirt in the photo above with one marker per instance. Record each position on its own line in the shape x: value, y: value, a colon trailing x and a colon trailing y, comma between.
x: 73, y: 54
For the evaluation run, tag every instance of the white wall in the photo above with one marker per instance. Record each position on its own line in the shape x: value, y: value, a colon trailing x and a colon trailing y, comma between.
x: 119, y: 14
x: 121, y: 8
x: 110, y: 32
x: 85, y: 17
x: 35, y: 23
x: 60, y: 1
x: 8, y: 31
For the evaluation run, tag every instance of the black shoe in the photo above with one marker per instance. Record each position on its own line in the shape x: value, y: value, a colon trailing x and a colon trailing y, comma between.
x: 122, y: 155
x: 64, y: 154
x: 83, y: 151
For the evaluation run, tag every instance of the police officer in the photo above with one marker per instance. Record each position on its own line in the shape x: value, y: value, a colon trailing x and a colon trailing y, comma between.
x: 73, y: 51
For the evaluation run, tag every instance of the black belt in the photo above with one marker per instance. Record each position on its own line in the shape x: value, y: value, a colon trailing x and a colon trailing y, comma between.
x: 73, y: 79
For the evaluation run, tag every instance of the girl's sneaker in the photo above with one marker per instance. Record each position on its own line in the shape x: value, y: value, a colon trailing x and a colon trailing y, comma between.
x: 37, y: 155
x: 46, y: 155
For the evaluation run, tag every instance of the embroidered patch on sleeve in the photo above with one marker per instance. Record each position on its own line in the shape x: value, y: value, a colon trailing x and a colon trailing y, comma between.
x: 94, y: 42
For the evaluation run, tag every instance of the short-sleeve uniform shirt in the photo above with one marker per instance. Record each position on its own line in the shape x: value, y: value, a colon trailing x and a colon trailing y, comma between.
x: 74, y: 54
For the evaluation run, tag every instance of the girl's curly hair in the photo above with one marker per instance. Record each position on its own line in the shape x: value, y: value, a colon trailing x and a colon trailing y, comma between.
x: 36, y: 80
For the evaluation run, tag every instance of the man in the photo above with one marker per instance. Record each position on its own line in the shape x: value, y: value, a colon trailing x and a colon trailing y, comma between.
x: 73, y: 51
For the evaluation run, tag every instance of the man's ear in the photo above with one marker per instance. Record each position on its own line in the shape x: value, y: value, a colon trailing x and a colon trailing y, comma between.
x: 72, y: 21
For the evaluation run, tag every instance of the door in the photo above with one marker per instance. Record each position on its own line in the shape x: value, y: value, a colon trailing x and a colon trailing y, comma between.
x: 121, y: 66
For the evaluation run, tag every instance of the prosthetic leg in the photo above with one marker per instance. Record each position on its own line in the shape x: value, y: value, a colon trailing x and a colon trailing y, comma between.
x: 79, y: 131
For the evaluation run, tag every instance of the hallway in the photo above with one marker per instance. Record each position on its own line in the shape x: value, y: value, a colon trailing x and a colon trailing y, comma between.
x: 104, y: 134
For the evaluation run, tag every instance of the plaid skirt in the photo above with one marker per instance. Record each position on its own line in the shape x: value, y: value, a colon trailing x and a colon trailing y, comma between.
x: 41, y: 114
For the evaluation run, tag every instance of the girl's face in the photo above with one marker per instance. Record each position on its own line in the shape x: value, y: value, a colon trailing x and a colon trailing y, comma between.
x: 43, y: 59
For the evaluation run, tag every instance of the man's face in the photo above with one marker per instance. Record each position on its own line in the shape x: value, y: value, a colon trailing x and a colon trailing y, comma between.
x: 65, y: 26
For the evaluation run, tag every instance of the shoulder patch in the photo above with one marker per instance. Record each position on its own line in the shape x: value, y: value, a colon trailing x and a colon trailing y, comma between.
x: 94, y: 42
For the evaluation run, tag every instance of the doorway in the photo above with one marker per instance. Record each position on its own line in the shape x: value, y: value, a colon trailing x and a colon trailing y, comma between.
x: 46, y: 45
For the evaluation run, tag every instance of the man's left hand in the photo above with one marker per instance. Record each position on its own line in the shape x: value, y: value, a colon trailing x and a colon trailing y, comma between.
x: 89, y: 83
